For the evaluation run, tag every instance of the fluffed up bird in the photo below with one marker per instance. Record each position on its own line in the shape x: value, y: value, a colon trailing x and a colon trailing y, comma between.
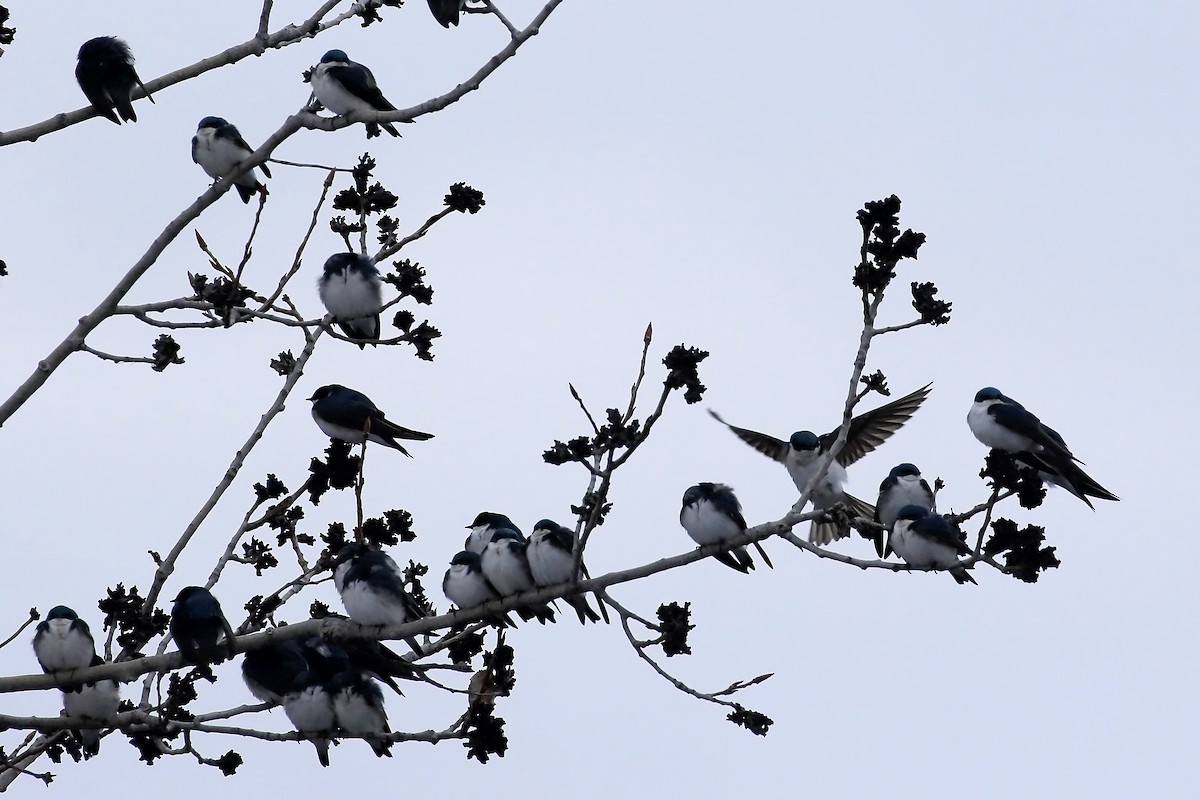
x: 372, y: 589
x: 309, y: 706
x: 200, y: 630
x: 804, y: 450
x: 446, y: 12
x: 358, y: 709
x: 350, y: 416
x: 711, y: 514
x: 105, y: 73
x: 902, y: 487
x: 96, y: 702
x: 1003, y: 424
x: 925, y: 539
x: 346, y: 87
x: 484, y: 527
x: 62, y: 641
x: 352, y: 291
x: 506, y: 566
x: 271, y: 672
x: 551, y: 554
x: 466, y: 587
x: 219, y: 149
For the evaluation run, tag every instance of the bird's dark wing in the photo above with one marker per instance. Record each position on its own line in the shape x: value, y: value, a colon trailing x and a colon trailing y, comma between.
x: 446, y: 11
x: 360, y: 82
x: 869, y: 430
x: 767, y: 445
x: 380, y: 426
x: 1017, y: 419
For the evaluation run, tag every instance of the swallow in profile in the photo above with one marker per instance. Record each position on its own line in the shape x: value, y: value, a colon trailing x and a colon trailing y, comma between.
x: 105, y: 73
x: 371, y: 586
x: 925, y: 539
x: 350, y: 416
x: 803, y: 451
x: 96, y: 702
x: 484, y: 527
x: 903, y: 486
x: 220, y: 150
x: 200, y: 630
x: 711, y: 514
x: 352, y: 291
x: 551, y: 554
x: 446, y: 12
x: 1003, y: 424
x: 466, y: 587
x: 346, y: 87
x: 506, y: 566
x: 62, y: 641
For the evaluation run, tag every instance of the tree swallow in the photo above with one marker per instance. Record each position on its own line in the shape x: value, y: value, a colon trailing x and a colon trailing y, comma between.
x: 506, y: 566
x: 93, y: 702
x: 197, y: 626
x: 271, y: 671
x: 372, y: 589
x: 804, y: 450
x: 309, y: 706
x: 484, y: 527
x: 345, y: 414
x: 345, y: 87
x: 105, y: 73
x: 926, y: 539
x: 220, y: 150
x: 352, y: 292
x: 62, y: 641
x: 711, y: 514
x: 1003, y: 424
x: 358, y: 709
x: 903, y: 486
x: 466, y: 587
x: 551, y: 554
x: 446, y: 11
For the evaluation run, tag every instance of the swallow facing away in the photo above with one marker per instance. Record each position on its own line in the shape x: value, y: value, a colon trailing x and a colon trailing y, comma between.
x: 105, y: 73
x: 219, y: 149
x: 710, y: 514
x: 803, y: 451
x: 551, y: 554
x: 446, y: 12
x: 200, y: 630
x: 345, y: 87
x: 926, y: 539
x: 506, y: 566
x: 352, y: 291
x: 902, y: 487
x: 350, y: 416
x: 1003, y: 424
x: 371, y: 586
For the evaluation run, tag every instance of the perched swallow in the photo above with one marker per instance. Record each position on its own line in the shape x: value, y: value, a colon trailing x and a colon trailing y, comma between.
x: 902, y: 487
x: 1003, y: 424
x: 105, y: 73
x: 446, y: 11
x: 352, y: 292
x: 925, y: 539
x: 62, y: 641
x: 345, y: 87
x: 350, y: 416
x: 309, y: 706
x: 358, y: 709
x: 270, y: 672
x: 551, y: 554
x: 93, y: 702
x: 219, y: 149
x: 484, y: 527
x: 711, y: 514
x: 372, y: 589
x: 506, y: 566
x: 466, y: 587
x: 200, y: 630
x: 801, y: 454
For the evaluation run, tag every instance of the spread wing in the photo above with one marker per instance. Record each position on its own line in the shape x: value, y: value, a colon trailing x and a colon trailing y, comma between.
x: 869, y: 430
x: 767, y: 445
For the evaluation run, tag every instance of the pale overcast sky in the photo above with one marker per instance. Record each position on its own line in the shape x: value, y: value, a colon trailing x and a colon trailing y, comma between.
x: 698, y: 166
